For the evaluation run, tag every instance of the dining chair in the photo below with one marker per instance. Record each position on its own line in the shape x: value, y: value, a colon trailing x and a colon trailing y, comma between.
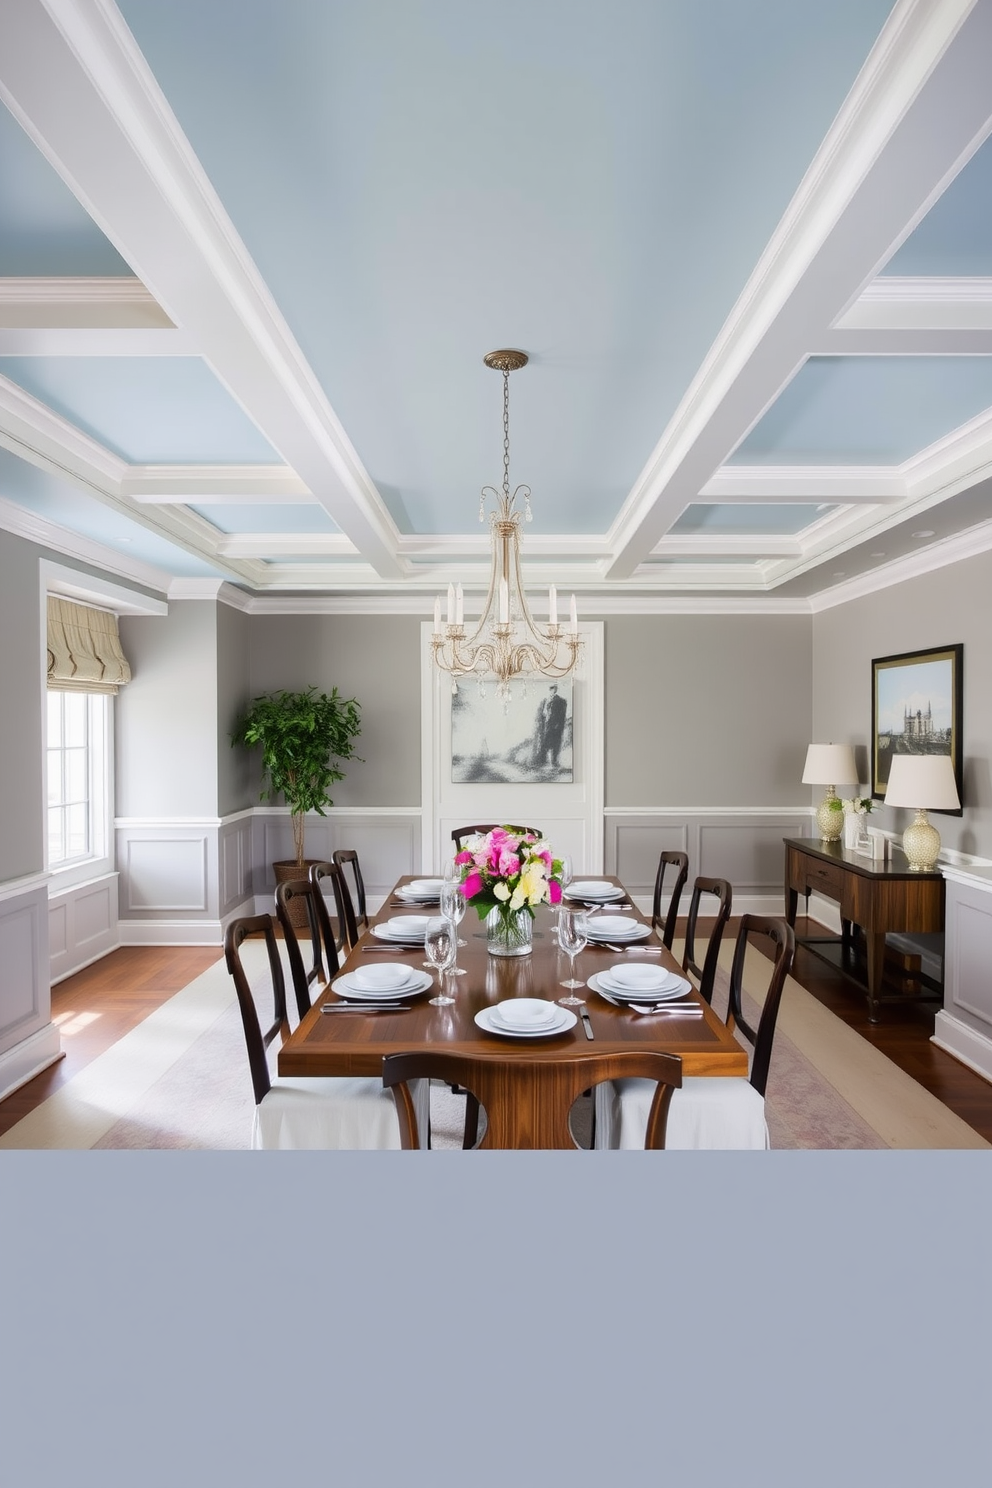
x: 461, y: 832
x: 346, y: 1113
x: 529, y: 1107
x: 359, y: 912
x: 322, y: 948
x: 680, y: 862
x: 711, y: 1111
x: 706, y: 973
x: 342, y: 932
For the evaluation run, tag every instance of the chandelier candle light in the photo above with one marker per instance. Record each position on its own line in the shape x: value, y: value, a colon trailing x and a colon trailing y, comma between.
x: 507, y: 642
x: 505, y: 873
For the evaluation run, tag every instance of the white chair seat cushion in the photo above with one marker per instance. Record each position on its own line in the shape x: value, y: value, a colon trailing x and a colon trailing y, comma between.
x: 708, y: 1112
x: 343, y: 1113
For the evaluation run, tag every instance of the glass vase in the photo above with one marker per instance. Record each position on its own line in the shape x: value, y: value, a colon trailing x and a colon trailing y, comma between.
x: 509, y: 932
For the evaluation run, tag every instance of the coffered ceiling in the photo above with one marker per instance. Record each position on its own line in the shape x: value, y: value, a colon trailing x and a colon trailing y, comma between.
x: 252, y: 253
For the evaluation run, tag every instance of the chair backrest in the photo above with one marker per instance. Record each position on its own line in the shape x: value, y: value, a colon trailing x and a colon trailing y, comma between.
x: 359, y: 913
x: 257, y: 1041
x: 707, y: 972
x: 680, y: 862
x: 461, y: 832
x: 346, y: 934
x: 321, y: 939
x: 783, y: 939
x: 528, y: 1107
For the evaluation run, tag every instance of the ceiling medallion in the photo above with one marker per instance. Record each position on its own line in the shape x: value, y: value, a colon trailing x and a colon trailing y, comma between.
x: 507, y: 642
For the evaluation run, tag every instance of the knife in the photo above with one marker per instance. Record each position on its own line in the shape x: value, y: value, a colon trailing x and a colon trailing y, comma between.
x: 586, y: 1023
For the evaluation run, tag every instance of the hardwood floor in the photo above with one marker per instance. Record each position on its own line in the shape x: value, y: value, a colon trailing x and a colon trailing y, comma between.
x: 99, y: 1005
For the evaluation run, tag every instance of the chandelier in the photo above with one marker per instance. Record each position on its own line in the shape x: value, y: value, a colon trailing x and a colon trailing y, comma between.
x: 507, y: 642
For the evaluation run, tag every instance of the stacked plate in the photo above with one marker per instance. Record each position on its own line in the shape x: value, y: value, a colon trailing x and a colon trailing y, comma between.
x: 387, y: 981
x: 633, y: 985
x: 618, y: 929
x: 408, y: 930
x: 525, y: 1017
x: 421, y: 890
x: 593, y: 891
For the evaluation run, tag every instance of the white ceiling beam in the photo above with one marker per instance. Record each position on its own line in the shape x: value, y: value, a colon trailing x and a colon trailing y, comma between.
x: 934, y: 304
x: 904, y: 341
x: 216, y: 485
x: 918, y: 110
x: 72, y: 75
x: 797, y: 485
x: 62, y: 302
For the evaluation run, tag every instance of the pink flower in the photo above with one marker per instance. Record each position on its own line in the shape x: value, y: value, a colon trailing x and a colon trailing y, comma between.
x: 472, y: 885
x: 463, y: 857
x: 554, y: 891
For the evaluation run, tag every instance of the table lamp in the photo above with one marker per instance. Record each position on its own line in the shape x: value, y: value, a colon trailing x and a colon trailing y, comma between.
x: 830, y: 765
x: 922, y: 781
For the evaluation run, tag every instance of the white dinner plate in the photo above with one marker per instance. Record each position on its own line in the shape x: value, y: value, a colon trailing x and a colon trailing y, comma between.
x: 594, y: 889
x: 345, y: 986
x: 598, y: 930
x: 488, y: 1024
x: 421, y: 890
x: 644, y: 978
x: 678, y: 987
x: 616, y: 998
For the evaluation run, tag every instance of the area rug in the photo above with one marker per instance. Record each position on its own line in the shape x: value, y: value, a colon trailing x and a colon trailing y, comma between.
x: 180, y: 1080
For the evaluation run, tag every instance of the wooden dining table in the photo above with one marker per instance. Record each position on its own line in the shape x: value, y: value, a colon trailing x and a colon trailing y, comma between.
x: 354, y: 1042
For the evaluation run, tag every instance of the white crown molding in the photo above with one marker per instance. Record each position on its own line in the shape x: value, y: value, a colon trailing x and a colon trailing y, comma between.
x: 40, y: 530
x: 214, y: 485
x: 731, y: 544
x: 766, y: 485
x: 895, y: 289
x: 91, y: 589
x: 967, y: 544
x: 869, y: 183
x: 73, y: 76
x: 590, y: 605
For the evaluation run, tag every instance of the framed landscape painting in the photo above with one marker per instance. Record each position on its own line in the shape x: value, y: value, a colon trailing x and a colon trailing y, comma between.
x: 916, y: 708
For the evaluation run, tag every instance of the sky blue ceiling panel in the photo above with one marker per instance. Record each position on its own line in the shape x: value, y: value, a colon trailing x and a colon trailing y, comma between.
x: 955, y: 237
x: 868, y: 410
x: 279, y: 517
x: 147, y: 410
x: 748, y: 517
x: 420, y: 184
x: 62, y: 502
x: 43, y: 229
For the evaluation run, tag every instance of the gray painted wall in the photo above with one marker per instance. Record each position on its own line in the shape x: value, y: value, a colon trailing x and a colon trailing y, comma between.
x: 936, y: 609
x: 707, y: 710
x: 374, y: 658
x: 235, y: 778
x: 22, y: 687
x: 167, y: 734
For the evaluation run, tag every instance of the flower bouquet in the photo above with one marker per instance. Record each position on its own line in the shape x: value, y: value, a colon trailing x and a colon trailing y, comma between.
x: 505, y: 873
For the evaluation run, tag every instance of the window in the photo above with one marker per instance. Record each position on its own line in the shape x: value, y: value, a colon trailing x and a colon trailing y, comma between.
x: 78, y: 763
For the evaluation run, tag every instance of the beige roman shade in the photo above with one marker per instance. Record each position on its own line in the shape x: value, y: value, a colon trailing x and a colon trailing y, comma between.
x: 84, y: 650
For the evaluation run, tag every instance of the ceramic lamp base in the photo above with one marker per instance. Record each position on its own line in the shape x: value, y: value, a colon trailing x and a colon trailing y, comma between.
x: 830, y: 817
x: 921, y: 844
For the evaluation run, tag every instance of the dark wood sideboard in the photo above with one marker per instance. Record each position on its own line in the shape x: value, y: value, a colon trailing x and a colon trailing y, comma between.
x: 880, y: 897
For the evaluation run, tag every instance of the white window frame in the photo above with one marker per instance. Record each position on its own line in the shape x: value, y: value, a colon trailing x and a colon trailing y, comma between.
x: 100, y: 859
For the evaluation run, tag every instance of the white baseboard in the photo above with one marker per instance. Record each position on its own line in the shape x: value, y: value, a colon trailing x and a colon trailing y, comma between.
x: 172, y: 932
x: 954, y: 1037
x: 28, y: 1058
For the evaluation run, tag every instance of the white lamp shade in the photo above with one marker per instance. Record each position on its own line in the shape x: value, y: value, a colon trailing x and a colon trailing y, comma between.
x: 830, y: 764
x: 922, y: 781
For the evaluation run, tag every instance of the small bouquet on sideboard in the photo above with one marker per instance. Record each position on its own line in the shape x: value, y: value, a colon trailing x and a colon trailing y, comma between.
x: 856, y: 824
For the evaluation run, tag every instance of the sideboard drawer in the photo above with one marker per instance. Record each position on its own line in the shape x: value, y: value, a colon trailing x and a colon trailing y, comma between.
x: 825, y: 878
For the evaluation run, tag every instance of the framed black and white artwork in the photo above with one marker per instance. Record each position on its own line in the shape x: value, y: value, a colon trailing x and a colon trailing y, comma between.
x: 526, y: 739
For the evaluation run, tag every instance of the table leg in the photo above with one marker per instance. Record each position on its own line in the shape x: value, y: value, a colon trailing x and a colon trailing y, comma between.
x: 876, y: 963
x: 791, y: 905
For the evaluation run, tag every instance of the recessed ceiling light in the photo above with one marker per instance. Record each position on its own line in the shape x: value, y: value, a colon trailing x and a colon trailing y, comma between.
x: 924, y: 532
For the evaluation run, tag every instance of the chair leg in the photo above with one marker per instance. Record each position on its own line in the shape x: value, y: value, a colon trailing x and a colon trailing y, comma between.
x: 471, y: 1121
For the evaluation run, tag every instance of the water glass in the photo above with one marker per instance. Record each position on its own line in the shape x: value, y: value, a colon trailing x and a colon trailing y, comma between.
x: 572, y: 928
x: 440, y: 945
x: 453, y: 908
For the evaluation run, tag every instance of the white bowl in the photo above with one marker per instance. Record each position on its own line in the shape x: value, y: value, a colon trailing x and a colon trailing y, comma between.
x: 424, y: 888
x: 640, y: 978
x: 590, y: 888
x: 384, y: 976
x: 407, y: 925
x: 612, y: 927
x: 525, y: 1012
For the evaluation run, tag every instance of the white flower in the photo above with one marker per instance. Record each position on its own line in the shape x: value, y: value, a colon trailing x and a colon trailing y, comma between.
x: 500, y: 890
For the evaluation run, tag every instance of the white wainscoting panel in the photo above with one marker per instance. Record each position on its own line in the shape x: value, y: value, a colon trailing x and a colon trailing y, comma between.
x: 387, y: 840
x: 166, y: 874
x: 28, y: 1040
x: 234, y: 859
x: 741, y: 844
x: 82, y: 925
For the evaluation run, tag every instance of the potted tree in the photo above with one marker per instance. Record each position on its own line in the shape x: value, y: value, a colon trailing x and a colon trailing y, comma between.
x: 303, y: 735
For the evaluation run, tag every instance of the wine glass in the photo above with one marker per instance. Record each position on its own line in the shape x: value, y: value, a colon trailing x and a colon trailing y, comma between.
x: 566, y: 875
x: 572, y: 927
x: 440, y: 945
x: 453, y: 908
